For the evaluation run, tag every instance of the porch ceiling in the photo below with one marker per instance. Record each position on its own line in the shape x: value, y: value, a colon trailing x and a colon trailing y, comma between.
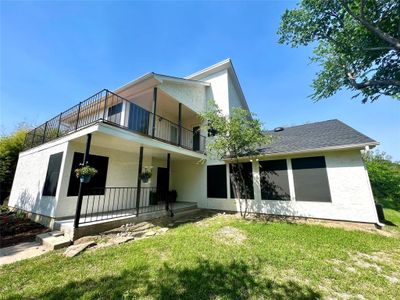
x: 113, y: 142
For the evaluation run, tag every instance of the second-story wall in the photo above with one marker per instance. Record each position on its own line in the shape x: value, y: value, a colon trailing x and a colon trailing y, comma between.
x: 223, y: 91
x: 192, y: 96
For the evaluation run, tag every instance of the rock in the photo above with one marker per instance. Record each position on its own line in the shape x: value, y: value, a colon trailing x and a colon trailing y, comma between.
x: 149, y: 233
x: 163, y: 229
x: 86, y: 239
x: 76, y: 249
x: 121, y: 240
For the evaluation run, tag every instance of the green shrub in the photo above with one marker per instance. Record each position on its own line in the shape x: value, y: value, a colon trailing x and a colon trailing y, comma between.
x: 384, y: 174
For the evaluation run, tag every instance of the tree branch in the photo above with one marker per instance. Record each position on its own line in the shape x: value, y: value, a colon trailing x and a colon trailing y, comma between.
x: 371, y: 82
x: 378, y: 48
x: 361, y: 19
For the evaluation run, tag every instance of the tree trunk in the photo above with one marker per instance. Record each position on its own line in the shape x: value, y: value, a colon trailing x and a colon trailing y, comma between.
x: 240, y: 187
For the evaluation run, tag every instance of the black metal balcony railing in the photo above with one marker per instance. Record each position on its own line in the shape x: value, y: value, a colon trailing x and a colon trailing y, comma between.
x: 111, y: 108
x: 118, y: 202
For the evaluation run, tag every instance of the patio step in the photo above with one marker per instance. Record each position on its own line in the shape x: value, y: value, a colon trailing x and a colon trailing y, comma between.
x: 187, y: 211
x: 53, y: 240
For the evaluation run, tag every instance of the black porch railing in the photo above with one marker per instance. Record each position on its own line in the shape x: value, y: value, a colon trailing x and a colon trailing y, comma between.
x: 108, y: 107
x: 101, y: 204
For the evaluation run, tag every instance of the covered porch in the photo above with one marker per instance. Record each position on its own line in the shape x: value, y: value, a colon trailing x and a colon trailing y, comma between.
x: 117, y: 194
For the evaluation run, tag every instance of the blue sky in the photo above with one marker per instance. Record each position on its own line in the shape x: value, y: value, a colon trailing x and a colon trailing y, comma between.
x: 55, y: 54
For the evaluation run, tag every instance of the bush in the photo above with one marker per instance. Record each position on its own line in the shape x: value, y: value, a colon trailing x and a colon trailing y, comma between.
x: 384, y: 174
x: 10, y: 146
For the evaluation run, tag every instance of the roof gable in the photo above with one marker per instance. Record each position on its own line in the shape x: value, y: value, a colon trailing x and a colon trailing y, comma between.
x: 218, y: 67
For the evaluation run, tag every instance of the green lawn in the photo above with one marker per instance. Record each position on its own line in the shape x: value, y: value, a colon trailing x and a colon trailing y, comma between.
x: 274, y: 260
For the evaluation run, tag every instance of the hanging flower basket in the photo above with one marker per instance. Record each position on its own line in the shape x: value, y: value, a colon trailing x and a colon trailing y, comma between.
x: 85, y: 178
x: 145, y: 175
x: 85, y: 173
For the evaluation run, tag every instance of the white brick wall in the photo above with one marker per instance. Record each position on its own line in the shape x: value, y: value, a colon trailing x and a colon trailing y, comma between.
x: 29, y: 179
x: 349, y: 186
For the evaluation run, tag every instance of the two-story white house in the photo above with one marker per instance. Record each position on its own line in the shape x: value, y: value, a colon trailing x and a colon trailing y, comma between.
x: 152, y: 123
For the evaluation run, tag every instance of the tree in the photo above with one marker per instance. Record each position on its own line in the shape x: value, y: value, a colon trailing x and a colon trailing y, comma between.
x: 10, y: 146
x: 357, y: 44
x: 384, y: 174
x: 232, y: 137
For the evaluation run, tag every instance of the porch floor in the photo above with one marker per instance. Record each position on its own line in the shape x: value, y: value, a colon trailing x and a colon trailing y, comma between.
x: 100, y: 218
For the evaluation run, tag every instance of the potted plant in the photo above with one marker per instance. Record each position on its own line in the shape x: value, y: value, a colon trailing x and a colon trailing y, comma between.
x: 85, y: 173
x: 145, y: 175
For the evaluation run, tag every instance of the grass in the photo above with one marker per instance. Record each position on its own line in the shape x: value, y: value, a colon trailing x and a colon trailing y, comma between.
x: 273, y: 260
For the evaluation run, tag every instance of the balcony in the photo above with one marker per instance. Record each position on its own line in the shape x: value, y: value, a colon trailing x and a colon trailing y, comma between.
x: 108, y: 107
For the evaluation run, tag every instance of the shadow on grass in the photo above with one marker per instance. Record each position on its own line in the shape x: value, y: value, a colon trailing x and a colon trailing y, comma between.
x: 206, y: 280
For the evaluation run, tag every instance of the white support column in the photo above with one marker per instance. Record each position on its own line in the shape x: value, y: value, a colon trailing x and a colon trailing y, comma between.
x: 124, y: 114
x: 228, y: 186
x: 256, y: 180
x: 291, y: 180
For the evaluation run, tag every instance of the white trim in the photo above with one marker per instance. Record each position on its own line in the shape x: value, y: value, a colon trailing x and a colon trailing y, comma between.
x: 228, y: 182
x: 133, y: 82
x: 290, y: 179
x: 316, y: 150
x: 220, y: 65
x: 256, y: 180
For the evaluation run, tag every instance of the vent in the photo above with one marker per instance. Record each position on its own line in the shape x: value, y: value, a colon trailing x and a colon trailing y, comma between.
x: 277, y: 129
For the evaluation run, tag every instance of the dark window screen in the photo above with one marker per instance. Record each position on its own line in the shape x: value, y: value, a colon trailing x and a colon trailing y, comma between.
x: 53, y: 172
x: 216, y: 181
x: 97, y: 183
x: 311, y: 179
x: 247, y: 172
x: 274, y: 180
x: 114, y: 113
x: 138, y: 119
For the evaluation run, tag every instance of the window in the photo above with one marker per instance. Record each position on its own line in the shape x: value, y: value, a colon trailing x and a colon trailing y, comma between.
x: 311, y: 179
x: 53, y: 172
x: 174, y: 134
x: 216, y: 181
x: 274, y: 180
x: 248, y: 178
x: 138, y: 119
x: 97, y: 183
x: 114, y: 113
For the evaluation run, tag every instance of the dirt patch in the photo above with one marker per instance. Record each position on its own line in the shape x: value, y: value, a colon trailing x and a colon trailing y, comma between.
x: 230, y: 236
x: 16, y: 228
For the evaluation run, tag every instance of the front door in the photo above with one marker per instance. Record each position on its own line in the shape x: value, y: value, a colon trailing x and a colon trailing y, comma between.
x: 196, y: 138
x: 162, y: 183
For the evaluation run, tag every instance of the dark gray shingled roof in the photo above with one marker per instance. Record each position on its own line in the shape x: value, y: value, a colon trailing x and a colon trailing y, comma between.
x: 315, y: 136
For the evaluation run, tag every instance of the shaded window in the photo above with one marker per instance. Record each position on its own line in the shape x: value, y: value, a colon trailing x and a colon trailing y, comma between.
x: 311, y: 179
x: 274, y: 180
x: 174, y: 134
x: 138, y: 119
x: 97, y: 183
x: 52, y: 175
x: 114, y: 113
x: 247, y: 172
x: 216, y: 181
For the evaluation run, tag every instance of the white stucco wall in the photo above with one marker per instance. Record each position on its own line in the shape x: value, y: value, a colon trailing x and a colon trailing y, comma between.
x: 234, y: 100
x: 189, y: 179
x: 218, y: 91
x: 29, y: 179
x: 349, y: 186
x: 193, y: 96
